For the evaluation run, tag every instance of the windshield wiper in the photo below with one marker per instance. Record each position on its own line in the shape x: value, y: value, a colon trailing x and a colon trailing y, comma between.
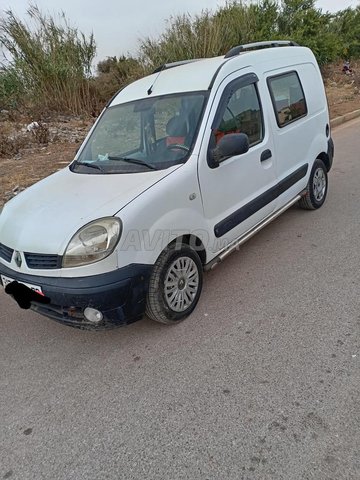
x: 133, y: 160
x: 90, y: 165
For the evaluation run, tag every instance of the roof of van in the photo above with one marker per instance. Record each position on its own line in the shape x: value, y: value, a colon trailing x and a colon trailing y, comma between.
x: 199, y: 75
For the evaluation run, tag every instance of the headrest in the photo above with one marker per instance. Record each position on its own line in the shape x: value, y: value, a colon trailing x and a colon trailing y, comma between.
x: 176, y: 127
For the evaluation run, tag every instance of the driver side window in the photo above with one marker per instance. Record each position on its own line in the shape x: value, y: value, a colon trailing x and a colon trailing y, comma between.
x: 242, y: 115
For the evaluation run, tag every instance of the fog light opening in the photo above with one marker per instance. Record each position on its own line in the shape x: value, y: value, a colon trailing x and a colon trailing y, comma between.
x: 93, y: 315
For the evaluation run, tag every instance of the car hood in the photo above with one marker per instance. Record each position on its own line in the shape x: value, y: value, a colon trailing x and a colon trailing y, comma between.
x: 43, y: 218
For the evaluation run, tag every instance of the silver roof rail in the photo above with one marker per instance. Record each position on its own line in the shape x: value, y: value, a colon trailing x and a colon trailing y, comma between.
x: 259, y: 45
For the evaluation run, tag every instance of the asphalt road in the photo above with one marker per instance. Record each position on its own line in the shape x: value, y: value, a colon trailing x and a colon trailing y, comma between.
x: 261, y: 382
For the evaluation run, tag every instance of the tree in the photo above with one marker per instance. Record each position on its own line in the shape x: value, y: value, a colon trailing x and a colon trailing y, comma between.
x: 346, y: 26
x: 301, y: 21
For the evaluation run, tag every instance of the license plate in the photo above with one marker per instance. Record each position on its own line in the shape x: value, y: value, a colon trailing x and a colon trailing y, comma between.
x: 7, y: 280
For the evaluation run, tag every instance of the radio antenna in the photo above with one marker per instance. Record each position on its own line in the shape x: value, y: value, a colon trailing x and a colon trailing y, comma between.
x: 149, y: 92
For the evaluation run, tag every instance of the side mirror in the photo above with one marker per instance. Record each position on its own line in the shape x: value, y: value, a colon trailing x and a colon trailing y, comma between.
x: 229, y: 146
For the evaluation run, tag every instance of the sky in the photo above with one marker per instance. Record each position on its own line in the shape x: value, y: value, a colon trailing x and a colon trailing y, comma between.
x: 118, y: 25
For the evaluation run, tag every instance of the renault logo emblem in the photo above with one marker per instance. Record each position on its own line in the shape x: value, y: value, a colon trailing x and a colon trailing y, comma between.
x: 18, y: 259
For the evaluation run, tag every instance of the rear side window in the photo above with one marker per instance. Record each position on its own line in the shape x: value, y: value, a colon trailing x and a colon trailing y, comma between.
x: 287, y: 97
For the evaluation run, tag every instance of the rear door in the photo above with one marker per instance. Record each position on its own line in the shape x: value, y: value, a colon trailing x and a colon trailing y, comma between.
x: 241, y: 191
x: 294, y: 129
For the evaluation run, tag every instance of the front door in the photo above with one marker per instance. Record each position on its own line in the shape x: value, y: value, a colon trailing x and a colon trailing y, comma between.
x: 241, y: 191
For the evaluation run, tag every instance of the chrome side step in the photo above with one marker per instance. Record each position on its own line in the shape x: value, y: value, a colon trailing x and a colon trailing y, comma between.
x: 250, y: 233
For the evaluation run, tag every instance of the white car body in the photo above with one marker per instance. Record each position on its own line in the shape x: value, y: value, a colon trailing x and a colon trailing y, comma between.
x: 156, y: 207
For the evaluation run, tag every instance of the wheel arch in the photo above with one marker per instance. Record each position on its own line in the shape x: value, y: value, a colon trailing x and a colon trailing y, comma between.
x: 325, y: 158
x: 194, y: 242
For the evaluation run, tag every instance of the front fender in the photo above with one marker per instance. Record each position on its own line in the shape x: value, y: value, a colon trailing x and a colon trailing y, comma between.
x: 168, y: 210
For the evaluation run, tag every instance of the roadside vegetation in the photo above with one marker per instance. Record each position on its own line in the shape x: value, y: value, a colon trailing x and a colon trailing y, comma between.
x: 49, y: 66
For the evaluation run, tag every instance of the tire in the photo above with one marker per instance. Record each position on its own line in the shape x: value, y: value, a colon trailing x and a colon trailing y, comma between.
x: 172, y: 294
x: 317, y: 187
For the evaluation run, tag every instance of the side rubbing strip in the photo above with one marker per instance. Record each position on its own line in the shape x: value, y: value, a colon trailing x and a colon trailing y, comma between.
x: 260, y: 202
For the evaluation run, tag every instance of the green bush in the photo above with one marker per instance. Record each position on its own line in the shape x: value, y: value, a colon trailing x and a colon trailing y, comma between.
x: 309, y: 26
x: 113, y: 73
x: 346, y: 26
x: 240, y: 22
x: 184, y: 37
x: 11, y: 89
x: 50, y: 60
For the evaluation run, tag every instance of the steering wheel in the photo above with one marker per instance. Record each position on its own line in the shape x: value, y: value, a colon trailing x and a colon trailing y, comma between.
x: 179, y: 147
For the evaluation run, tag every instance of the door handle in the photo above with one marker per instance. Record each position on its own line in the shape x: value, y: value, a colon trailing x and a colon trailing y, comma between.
x: 266, y: 154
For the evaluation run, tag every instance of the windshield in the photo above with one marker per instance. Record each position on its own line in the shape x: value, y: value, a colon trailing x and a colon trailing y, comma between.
x: 144, y: 135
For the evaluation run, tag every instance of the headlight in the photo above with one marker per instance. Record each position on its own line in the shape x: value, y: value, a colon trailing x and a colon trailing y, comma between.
x: 93, y: 242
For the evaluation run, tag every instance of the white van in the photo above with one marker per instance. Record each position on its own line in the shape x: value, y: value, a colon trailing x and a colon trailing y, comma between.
x: 181, y: 168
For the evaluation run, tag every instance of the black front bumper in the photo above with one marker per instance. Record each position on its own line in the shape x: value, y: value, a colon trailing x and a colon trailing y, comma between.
x: 119, y: 295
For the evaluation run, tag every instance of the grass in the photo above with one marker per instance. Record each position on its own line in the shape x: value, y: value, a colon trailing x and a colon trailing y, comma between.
x: 50, y: 67
x: 50, y: 63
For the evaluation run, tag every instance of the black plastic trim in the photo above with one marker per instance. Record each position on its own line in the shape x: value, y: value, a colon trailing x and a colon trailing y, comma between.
x: 76, y: 283
x: 120, y: 295
x: 259, y: 46
x: 6, y: 252
x: 266, y: 155
x: 260, y: 202
x: 108, y: 103
x: 331, y: 152
x: 211, y: 84
x: 42, y: 261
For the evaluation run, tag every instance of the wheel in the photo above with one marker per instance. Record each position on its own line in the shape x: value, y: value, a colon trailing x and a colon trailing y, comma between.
x: 175, y: 284
x: 317, y: 187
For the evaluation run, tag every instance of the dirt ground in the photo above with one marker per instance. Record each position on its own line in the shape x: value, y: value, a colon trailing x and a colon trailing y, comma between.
x: 31, y: 160
x: 343, y: 91
x: 27, y: 156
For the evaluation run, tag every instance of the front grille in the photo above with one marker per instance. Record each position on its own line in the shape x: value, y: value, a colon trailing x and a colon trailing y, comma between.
x: 6, y: 252
x: 42, y: 261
